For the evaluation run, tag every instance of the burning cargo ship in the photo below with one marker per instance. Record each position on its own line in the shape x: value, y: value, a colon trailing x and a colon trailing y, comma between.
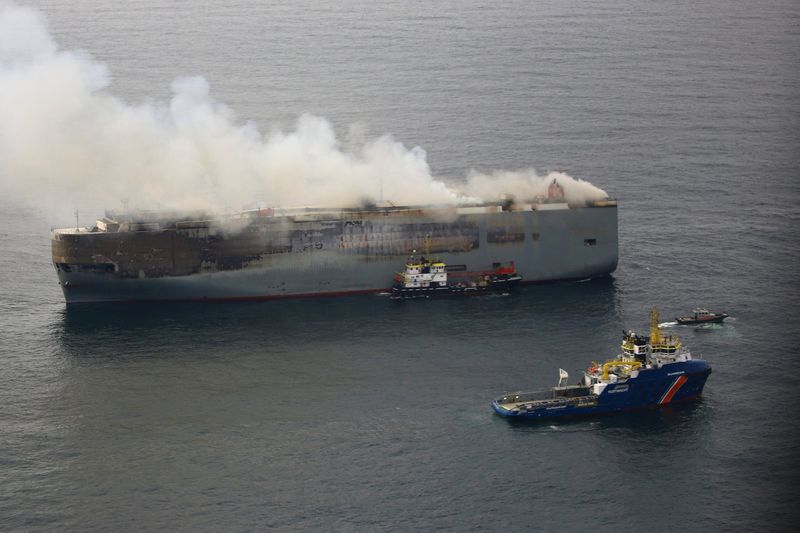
x: 302, y: 252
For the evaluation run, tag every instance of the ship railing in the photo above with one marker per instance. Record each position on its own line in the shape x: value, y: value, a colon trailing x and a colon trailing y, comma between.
x: 660, y: 357
x: 520, y: 397
x: 575, y: 402
x: 556, y: 395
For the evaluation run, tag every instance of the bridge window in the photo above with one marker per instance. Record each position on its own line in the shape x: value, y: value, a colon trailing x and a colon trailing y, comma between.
x: 590, y: 242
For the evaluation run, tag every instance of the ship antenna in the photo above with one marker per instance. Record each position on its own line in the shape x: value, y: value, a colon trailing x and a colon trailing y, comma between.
x: 77, y: 221
x: 655, y: 332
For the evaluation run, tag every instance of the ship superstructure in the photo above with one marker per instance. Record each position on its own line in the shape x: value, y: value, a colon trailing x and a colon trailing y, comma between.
x: 273, y: 253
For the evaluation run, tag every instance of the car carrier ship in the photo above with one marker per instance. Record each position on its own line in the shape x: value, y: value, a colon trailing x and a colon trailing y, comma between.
x: 302, y: 252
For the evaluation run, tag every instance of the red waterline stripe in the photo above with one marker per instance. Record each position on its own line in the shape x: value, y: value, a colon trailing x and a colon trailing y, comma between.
x: 673, y: 389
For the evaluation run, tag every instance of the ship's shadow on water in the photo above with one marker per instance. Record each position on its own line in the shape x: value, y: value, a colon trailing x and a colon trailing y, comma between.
x: 98, y: 329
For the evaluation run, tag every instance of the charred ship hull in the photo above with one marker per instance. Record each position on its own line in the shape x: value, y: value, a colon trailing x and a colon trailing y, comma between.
x: 267, y: 254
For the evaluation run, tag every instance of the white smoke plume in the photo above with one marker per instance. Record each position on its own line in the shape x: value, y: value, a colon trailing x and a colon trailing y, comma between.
x: 527, y: 185
x: 63, y: 133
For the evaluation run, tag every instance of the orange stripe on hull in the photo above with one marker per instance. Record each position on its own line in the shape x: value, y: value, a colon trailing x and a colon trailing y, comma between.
x: 673, y: 390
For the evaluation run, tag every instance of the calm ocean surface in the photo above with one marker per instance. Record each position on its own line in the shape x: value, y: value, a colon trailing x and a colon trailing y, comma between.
x: 365, y: 414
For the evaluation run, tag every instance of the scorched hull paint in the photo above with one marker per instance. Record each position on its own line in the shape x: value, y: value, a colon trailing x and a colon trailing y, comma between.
x: 283, y: 258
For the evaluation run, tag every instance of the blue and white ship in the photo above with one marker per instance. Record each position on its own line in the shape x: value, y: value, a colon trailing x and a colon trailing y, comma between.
x: 649, y: 373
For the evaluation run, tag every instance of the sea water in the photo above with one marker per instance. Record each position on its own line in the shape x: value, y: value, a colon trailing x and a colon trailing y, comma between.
x: 363, y: 413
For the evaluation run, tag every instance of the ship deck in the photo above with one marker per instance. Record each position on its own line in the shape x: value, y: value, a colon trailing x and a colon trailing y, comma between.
x: 574, y: 395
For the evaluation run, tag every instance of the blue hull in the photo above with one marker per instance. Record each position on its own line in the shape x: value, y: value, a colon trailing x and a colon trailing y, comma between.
x: 652, y: 388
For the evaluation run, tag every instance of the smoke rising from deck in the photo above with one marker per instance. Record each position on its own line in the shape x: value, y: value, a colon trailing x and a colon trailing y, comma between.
x: 64, y: 135
x: 527, y: 184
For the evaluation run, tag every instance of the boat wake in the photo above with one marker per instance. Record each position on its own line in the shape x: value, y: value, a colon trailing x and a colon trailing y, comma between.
x: 706, y: 327
x: 667, y: 324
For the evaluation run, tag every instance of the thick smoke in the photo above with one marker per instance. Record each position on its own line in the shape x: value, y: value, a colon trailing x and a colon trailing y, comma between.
x: 63, y: 134
x: 527, y: 185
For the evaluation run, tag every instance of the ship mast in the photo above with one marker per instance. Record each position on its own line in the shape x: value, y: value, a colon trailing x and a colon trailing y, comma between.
x: 655, y: 332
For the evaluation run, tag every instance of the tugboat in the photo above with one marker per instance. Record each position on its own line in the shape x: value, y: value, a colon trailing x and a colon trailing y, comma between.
x: 649, y: 373
x: 423, y: 278
x: 701, y: 316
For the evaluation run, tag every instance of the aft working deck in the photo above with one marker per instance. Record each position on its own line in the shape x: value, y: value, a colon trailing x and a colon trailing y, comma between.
x: 574, y: 396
